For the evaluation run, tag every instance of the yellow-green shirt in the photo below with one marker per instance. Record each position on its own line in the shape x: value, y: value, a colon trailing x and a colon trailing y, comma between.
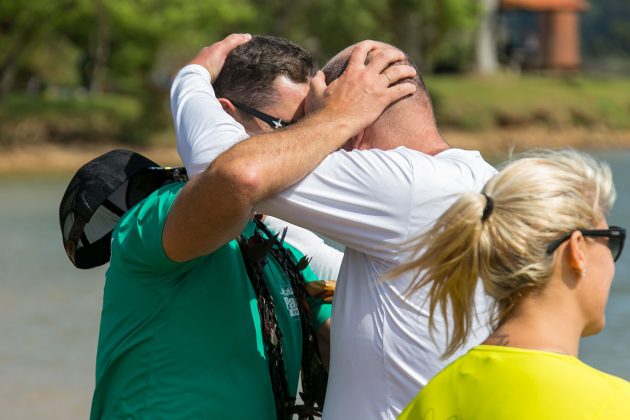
x: 501, y: 383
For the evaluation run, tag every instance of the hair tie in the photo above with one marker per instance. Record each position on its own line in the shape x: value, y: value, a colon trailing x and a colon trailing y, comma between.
x: 487, y: 211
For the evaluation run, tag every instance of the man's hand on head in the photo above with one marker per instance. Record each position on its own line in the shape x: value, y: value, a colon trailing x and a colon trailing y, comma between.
x: 364, y: 90
x: 213, y: 57
x: 262, y: 166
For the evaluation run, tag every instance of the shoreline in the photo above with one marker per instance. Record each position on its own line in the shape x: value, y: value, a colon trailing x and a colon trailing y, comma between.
x: 53, y: 159
x: 501, y: 144
x: 494, y: 144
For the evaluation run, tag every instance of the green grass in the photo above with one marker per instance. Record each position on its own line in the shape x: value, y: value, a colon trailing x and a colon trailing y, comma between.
x: 478, y: 103
x: 464, y: 103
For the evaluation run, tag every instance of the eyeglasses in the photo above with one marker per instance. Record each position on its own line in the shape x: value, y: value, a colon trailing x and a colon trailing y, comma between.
x: 616, y: 237
x: 273, y: 122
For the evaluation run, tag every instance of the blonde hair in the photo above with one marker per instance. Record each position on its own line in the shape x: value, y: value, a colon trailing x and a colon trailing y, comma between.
x: 536, y: 199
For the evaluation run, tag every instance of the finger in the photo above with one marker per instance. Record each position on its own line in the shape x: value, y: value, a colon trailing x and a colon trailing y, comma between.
x: 213, y: 57
x: 383, y: 57
x: 398, y: 72
x: 234, y: 40
x: 394, y: 93
x: 317, y: 85
x: 360, y: 52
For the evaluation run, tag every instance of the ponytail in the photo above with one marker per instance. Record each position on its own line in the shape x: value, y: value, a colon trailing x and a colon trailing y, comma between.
x: 448, y: 264
x: 501, y: 236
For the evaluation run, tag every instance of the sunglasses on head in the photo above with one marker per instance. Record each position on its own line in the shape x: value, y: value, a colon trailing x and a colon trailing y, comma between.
x: 273, y: 122
x: 616, y: 237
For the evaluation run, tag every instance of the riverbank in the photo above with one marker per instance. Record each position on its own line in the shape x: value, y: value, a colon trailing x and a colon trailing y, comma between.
x: 495, y: 144
x: 48, y: 158
x: 500, y: 143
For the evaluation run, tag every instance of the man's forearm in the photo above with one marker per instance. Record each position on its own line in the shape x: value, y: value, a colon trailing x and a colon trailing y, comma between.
x: 269, y: 163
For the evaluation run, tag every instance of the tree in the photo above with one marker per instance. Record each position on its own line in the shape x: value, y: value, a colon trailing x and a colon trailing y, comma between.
x: 486, y: 44
x: 422, y: 28
x: 428, y: 29
x: 22, y: 25
x: 605, y: 28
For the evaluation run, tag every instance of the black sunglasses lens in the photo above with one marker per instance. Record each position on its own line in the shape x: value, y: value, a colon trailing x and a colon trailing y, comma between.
x: 615, y: 242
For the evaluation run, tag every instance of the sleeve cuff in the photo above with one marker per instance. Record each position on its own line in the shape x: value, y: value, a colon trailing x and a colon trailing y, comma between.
x: 197, y: 69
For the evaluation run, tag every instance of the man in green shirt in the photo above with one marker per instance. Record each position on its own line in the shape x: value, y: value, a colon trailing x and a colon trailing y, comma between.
x: 183, y: 339
x: 180, y: 333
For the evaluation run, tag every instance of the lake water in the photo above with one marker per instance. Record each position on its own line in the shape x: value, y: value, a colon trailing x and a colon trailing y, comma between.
x: 49, y: 311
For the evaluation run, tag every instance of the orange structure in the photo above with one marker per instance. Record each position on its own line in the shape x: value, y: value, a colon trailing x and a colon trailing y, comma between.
x: 559, y: 30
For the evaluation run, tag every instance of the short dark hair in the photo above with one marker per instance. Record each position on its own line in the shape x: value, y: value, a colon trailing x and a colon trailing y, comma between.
x: 250, y: 69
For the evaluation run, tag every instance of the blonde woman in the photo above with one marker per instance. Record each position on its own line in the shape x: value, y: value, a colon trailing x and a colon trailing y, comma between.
x: 538, y: 239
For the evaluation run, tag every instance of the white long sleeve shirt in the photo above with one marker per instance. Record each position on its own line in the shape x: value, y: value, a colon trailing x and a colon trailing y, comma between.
x: 204, y: 131
x: 373, y: 202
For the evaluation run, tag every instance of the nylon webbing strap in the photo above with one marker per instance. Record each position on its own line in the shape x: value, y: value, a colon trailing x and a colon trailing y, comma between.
x: 254, y: 251
x: 314, y: 375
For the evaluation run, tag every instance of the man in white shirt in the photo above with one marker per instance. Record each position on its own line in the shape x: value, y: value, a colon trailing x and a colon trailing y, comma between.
x: 397, y: 179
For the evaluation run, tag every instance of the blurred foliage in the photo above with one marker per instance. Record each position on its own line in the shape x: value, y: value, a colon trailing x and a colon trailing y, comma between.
x: 116, y: 42
x: 77, y: 57
x: 129, y: 46
x: 606, y: 28
x: 422, y: 28
x: 102, y: 48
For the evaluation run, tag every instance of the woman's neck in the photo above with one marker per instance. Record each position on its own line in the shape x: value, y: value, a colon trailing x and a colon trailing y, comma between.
x: 538, y: 327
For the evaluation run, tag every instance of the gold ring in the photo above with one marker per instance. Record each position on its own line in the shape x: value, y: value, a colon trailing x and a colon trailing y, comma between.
x: 387, y: 75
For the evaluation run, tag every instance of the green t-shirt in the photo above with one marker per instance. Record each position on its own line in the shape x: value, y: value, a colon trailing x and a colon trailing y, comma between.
x: 508, y: 383
x: 183, y: 340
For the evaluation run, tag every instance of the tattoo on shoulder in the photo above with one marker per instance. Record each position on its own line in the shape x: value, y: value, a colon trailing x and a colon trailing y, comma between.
x: 499, y: 339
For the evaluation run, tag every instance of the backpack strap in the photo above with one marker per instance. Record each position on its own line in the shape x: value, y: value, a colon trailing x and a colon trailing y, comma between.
x: 314, y: 375
x: 254, y: 251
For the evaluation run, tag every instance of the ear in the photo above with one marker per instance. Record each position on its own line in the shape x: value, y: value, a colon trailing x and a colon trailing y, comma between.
x: 228, y: 107
x: 576, y: 252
